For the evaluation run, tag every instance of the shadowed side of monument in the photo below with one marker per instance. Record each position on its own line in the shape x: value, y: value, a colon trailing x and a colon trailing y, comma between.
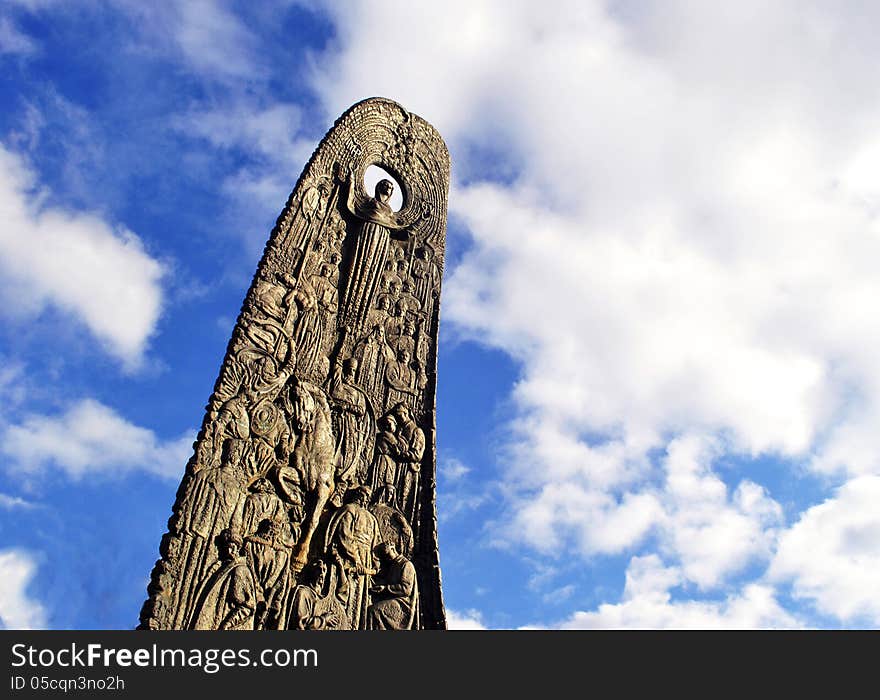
x: 310, y: 500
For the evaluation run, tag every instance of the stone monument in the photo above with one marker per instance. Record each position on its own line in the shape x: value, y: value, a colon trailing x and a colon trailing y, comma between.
x: 309, y: 501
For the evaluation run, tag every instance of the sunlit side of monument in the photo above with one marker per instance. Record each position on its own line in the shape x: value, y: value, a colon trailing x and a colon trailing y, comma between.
x: 310, y: 500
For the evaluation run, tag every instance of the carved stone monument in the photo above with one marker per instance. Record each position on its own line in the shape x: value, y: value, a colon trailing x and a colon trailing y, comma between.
x: 309, y: 502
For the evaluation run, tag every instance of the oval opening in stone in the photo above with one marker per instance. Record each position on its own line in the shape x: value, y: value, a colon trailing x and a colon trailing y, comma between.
x: 373, y: 174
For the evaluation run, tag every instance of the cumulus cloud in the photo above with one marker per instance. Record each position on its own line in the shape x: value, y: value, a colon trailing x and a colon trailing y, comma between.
x: 77, y: 263
x: 91, y: 438
x: 674, y: 231
x: 453, y: 469
x: 467, y: 620
x: 18, y: 611
x: 711, y: 531
x: 648, y: 604
x: 831, y: 556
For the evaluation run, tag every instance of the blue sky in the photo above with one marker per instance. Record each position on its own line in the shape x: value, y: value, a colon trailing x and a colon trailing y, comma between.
x: 659, y: 381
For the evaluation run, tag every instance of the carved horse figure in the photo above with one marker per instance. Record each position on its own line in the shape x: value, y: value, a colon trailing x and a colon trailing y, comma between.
x: 313, y: 459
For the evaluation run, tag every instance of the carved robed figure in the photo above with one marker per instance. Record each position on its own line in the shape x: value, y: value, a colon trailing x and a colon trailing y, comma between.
x: 309, y: 501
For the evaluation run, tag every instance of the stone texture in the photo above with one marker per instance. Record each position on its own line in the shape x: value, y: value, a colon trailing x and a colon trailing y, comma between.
x: 310, y: 501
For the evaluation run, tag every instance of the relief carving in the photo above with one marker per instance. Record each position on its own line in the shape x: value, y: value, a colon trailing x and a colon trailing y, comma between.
x: 309, y: 609
x: 395, y: 592
x: 228, y: 598
x: 352, y: 536
x: 309, y: 500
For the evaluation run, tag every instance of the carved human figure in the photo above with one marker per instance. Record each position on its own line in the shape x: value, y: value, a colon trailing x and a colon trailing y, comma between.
x: 309, y: 331
x: 371, y: 252
x: 389, y: 275
x: 329, y: 246
x: 310, y: 208
x: 268, y: 552
x: 231, y: 422
x: 379, y: 315
x: 262, y: 503
x: 272, y: 317
x: 384, y: 476
x: 394, y: 527
x: 268, y: 299
x: 401, y: 379
x: 267, y: 376
x: 426, y: 275
x: 227, y: 599
x: 406, y: 339
x: 350, y: 405
x: 352, y: 535
x: 271, y: 434
x: 388, y: 299
x: 325, y: 289
x: 212, y: 502
x: 339, y: 233
x: 305, y: 613
x: 411, y: 441
x: 251, y: 378
x: 407, y: 304
x: 373, y: 355
x: 395, y: 592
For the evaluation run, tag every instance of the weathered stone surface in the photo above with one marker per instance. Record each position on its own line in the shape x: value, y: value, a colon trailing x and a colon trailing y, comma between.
x: 309, y: 502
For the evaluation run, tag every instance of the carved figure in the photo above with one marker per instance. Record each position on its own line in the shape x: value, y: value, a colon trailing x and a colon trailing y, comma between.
x: 401, y: 379
x: 262, y: 503
x: 268, y: 551
x: 352, y: 534
x: 373, y: 355
x: 425, y: 274
x: 229, y: 597
x: 306, y: 609
x: 353, y: 424
x: 385, y: 462
x: 395, y: 592
x: 412, y: 448
x: 373, y: 241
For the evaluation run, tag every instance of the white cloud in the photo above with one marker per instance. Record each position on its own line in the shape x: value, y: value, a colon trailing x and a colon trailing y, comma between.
x: 567, y: 516
x: 8, y: 502
x: 713, y: 533
x: 91, y: 438
x: 832, y: 554
x: 684, y: 243
x: 559, y: 595
x: 209, y: 39
x: 76, y: 263
x: 453, y: 469
x: 13, y: 383
x: 13, y: 41
x: 647, y: 604
x: 467, y: 620
x: 267, y: 132
x: 267, y: 135
x: 213, y: 39
x: 457, y: 492
x: 18, y: 611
